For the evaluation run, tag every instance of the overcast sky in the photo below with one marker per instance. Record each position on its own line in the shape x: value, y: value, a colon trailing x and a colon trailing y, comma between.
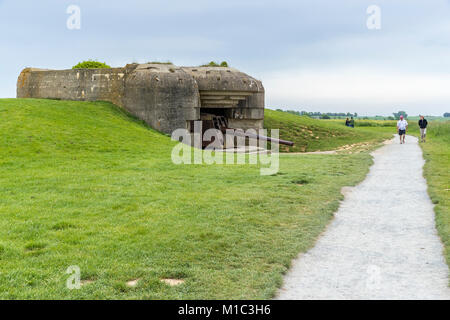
x: 315, y: 55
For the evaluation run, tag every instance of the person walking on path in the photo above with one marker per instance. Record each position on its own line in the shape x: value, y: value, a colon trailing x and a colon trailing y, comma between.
x: 423, y: 123
x: 402, y: 126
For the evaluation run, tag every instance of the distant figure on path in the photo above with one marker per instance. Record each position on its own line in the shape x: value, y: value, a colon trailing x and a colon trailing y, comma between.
x: 423, y: 123
x: 402, y: 126
x: 351, y: 123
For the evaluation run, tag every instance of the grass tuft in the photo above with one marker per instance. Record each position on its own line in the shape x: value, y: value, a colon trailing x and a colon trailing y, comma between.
x: 34, y: 245
x: 63, y: 225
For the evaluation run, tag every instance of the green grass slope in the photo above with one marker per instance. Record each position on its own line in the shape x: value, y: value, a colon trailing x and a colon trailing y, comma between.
x: 312, y: 134
x: 84, y: 184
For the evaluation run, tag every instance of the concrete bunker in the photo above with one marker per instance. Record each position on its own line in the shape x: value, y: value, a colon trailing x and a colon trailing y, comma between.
x: 165, y: 96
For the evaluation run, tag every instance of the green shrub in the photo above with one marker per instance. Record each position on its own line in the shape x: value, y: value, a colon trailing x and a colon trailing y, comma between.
x: 215, y: 64
x: 91, y: 64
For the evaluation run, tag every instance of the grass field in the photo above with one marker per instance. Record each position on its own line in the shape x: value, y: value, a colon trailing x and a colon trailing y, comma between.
x: 436, y: 152
x: 84, y: 184
x: 313, y: 134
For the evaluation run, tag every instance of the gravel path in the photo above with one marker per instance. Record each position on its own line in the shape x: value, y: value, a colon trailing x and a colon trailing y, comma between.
x: 382, y: 243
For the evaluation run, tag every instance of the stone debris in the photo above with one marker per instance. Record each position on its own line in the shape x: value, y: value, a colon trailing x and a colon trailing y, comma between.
x: 172, y: 282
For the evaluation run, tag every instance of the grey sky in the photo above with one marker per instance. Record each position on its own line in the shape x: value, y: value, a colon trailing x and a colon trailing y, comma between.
x: 311, y: 55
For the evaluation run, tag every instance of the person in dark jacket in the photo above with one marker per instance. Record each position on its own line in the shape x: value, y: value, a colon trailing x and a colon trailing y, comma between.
x: 351, y: 122
x: 423, y: 123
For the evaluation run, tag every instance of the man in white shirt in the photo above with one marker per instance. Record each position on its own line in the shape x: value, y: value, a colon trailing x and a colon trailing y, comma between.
x: 402, y: 126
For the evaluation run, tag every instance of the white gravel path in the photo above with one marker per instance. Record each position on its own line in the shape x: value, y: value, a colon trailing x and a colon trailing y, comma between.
x: 382, y: 243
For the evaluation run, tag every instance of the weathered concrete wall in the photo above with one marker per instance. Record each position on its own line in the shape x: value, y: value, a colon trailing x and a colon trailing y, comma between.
x: 80, y: 84
x: 163, y: 96
x: 166, y: 97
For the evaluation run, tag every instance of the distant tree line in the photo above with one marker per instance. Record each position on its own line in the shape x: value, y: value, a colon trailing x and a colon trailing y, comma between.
x: 326, y: 115
x: 340, y: 115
